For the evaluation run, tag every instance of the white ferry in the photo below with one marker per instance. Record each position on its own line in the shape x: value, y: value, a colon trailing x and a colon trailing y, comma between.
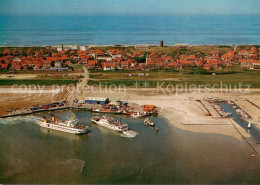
x: 110, y: 123
x: 70, y: 126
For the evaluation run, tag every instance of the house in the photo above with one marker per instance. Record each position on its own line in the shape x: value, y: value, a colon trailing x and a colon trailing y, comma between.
x: 4, y: 66
x: 58, y: 64
x: 173, y: 64
x: 249, y: 63
x: 212, y: 63
x: 108, y: 66
x: 46, y: 64
x: 214, y: 53
x: 59, y: 47
x: 155, y: 62
x: 246, y: 53
x: 17, y: 59
x: 16, y: 66
x: 83, y: 48
x: 187, y: 62
x: 117, y: 55
x: 92, y: 64
x: 67, y: 47
x: 96, y: 100
x: 256, y: 65
x: 37, y: 66
x: 124, y: 65
x: 107, y: 58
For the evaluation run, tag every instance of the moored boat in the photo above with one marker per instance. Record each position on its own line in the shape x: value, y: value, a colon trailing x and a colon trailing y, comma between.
x: 110, y: 122
x: 111, y: 111
x: 137, y: 115
x: 69, y: 126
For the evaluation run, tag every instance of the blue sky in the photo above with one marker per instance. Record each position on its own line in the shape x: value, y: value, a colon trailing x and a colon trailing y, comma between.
x: 128, y: 7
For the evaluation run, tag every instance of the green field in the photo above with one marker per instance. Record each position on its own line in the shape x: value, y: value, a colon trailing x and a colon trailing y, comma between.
x: 229, y: 78
x: 5, y: 82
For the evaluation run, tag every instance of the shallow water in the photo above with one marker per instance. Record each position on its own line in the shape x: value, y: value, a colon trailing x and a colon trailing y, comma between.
x: 129, y: 30
x: 254, y: 131
x: 30, y: 154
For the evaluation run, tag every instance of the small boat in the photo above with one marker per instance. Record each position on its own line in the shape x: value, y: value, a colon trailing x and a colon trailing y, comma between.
x: 149, y: 122
x: 111, y: 111
x: 137, y: 115
x: 249, y: 125
x: 156, y: 129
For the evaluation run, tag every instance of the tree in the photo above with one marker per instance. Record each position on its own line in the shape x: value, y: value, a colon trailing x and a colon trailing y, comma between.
x: 52, y: 63
x: 72, y: 61
x: 140, y: 59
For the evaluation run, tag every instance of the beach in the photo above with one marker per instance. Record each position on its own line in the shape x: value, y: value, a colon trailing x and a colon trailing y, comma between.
x: 186, y: 113
x: 189, y: 148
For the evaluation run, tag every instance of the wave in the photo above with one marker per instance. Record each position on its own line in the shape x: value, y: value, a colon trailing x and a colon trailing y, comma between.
x: 20, y: 119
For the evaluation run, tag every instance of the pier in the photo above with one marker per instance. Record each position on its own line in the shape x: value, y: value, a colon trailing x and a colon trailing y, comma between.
x: 34, y: 111
x: 210, y: 109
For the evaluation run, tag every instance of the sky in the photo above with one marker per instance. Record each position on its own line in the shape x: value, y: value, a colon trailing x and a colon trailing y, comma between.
x: 128, y: 7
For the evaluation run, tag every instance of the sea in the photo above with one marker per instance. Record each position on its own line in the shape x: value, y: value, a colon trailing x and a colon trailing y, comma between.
x: 30, y: 154
x: 130, y: 30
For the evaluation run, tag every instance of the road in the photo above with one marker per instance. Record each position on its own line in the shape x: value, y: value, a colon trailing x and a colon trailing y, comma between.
x: 75, y: 94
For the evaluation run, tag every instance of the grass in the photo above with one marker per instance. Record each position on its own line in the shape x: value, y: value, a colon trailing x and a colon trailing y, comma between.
x: 2, y: 71
x: 174, y: 78
x: 5, y: 82
x: 205, y: 50
x: 164, y: 84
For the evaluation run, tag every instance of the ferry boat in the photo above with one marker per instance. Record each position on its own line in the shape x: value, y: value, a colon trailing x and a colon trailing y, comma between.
x: 70, y: 126
x: 111, y: 111
x: 110, y: 123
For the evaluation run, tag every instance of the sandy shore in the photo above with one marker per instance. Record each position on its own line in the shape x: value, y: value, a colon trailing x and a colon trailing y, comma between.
x: 186, y: 113
x: 182, y: 110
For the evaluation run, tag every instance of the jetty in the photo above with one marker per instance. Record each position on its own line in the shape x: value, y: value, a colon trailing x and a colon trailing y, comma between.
x: 210, y: 109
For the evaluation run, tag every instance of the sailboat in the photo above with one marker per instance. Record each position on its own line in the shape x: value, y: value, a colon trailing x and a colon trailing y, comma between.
x: 249, y: 125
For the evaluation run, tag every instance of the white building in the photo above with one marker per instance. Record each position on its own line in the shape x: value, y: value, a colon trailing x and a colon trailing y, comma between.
x: 83, y: 48
x: 61, y: 47
x: 107, y: 58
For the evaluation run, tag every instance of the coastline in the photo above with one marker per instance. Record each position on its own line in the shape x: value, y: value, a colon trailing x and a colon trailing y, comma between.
x: 129, y: 45
x: 184, y: 112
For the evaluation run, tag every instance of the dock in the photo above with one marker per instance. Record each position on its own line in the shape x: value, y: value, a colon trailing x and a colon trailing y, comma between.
x: 245, y: 105
x: 35, y: 111
x: 210, y: 109
x: 203, y: 108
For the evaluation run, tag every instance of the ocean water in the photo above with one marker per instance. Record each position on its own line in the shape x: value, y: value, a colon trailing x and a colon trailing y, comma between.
x: 30, y: 154
x: 129, y: 30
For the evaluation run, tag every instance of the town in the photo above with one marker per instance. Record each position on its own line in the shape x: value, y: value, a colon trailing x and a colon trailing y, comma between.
x: 140, y: 57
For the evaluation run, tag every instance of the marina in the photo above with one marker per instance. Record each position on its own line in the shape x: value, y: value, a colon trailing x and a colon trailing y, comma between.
x: 85, y: 157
